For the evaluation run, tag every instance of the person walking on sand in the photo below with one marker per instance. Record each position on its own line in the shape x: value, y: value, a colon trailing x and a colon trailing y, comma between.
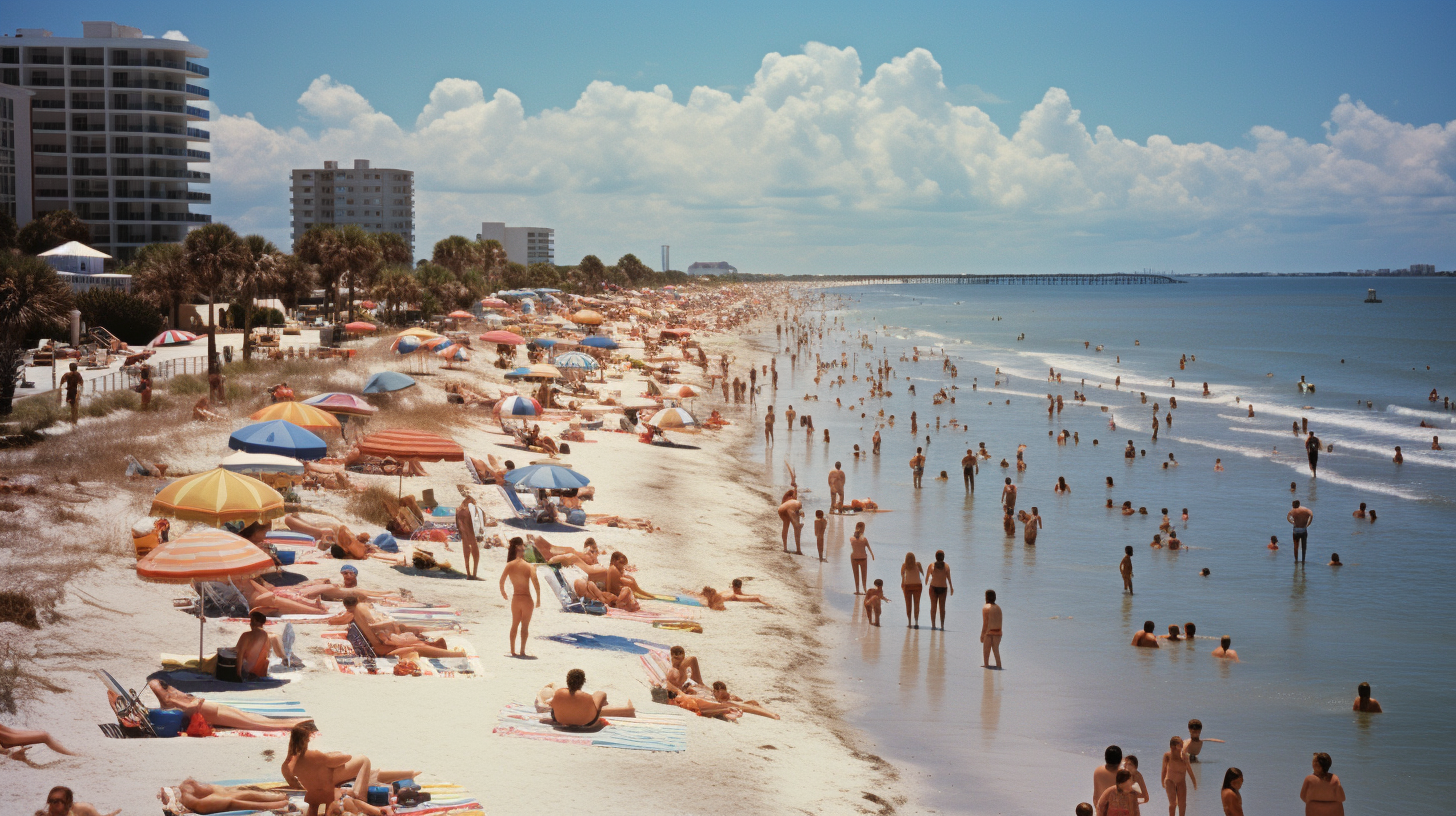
x: 1301, y: 518
x: 860, y: 553
x: 917, y: 467
x: 791, y: 512
x: 522, y: 576
x: 910, y: 584
x: 836, y: 486
x: 768, y: 423
x: 1008, y: 497
x: 969, y: 468
x: 1322, y: 793
x: 990, y: 631
x: 1312, y: 448
x: 940, y: 587
x: 1126, y: 569
x: 72, y: 382
x: 470, y: 521
x: 789, y: 418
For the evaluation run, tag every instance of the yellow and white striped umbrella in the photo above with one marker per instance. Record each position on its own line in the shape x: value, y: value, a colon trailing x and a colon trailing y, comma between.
x: 217, y: 496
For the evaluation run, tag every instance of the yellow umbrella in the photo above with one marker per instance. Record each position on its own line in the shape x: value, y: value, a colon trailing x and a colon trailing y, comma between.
x: 545, y: 370
x: 217, y: 496
x: 423, y: 334
x: 304, y: 416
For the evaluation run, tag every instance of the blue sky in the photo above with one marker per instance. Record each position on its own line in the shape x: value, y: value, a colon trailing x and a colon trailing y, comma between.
x: 1193, y: 73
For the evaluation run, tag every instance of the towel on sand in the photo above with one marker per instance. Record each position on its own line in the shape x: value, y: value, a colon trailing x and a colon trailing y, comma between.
x: 656, y: 729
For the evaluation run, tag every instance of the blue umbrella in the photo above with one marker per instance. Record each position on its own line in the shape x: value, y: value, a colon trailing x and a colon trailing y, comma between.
x: 278, y: 437
x: 544, y: 342
x: 546, y: 477
x: 576, y: 359
x: 407, y: 345
x: 386, y: 381
x: 598, y: 341
x: 517, y: 373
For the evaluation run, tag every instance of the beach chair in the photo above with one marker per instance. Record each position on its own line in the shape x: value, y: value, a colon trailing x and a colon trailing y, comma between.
x: 522, y: 512
x: 223, y: 597
x: 363, y: 649
x: 131, y: 714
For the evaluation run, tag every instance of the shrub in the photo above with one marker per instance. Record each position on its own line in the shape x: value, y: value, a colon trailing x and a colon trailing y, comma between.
x: 103, y: 404
x: 261, y: 316
x: 187, y: 385
x: 127, y: 316
x: 36, y: 414
x: 369, y: 505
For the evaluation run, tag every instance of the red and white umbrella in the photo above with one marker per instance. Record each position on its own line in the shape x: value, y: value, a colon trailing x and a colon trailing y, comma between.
x: 172, y: 337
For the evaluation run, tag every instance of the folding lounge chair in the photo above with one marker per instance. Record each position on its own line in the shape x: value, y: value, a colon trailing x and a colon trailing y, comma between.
x: 362, y: 649
x: 227, y: 599
x: 513, y: 498
x: 131, y: 714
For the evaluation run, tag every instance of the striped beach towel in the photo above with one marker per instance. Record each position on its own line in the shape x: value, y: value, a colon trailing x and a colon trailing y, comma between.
x: 655, y: 729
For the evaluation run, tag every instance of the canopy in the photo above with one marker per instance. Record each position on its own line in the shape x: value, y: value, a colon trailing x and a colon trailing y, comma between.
x: 516, y: 405
x: 280, y: 437
x: 403, y: 444
x: 460, y: 314
x: 494, y: 303
x: 676, y: 419
x: 576, y: 359
x: 503, y: 338
x: 546, y: 477
x: 337, y: 402
x: 587, y: 317
x: 75, y: 248
x: 386, y: 381
x: 217, y: 496
x: 359, y: 327
x: 423, y: 334
x: 304, y: 416
x: 172, y: 337
x: 244, y: 462
x: 598, y: 341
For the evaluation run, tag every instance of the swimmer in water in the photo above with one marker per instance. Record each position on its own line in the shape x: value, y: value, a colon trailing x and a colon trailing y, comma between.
x: 1145, y: 638
x: 1218, y: 466
x: 1224, y: 651
x: 1335, y: 560
x: 1273, y: 542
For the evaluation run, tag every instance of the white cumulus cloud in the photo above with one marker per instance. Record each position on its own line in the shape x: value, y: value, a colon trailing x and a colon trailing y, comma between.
x: 815, y: 168
x: 174, y: 34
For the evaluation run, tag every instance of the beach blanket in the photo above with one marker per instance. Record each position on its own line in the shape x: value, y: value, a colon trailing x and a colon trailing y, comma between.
x: 609, y: 643
x: 184, y: 665
x: 446, y: 799
x: 344, y: 658
x: 654, y: 729
x: 445, y: 616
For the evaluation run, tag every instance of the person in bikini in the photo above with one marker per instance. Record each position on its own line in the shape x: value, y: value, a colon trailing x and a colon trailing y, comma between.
x: 860, y: 552
x: 522, y: 576
x: 320, y: 774
x: 990, y: 631
x: 1118, y: 799
x: 910, y: 584
x: 574, y: 709
x: 272, y: 601
x: 202, y: 797
x: 216, y: 714
x: 941, y: 587
x: 398, y: 642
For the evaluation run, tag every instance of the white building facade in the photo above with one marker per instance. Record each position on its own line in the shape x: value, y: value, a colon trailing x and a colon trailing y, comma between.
x: 116, y: 133
x: 17, y: 198
x: 523, y: 245
x: 712, y: 268
x: 378, y: 199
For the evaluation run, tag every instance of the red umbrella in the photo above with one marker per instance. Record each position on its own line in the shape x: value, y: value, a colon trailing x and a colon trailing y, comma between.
x: 503, y: 338
x: 494, y: 303
x: 460, y: 314
x: 359, y: 327
x: 403, y: 444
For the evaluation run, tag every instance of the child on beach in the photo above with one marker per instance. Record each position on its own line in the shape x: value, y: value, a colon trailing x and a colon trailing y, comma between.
x: 1126, y: 568
x: 820, y: 525
x: 1139, y: 786
x: 1175, y: 777
x: 1196, y: 739
x: 874, y: 596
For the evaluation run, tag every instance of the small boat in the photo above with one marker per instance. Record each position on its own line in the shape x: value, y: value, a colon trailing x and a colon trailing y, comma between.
x: 1371, y: 298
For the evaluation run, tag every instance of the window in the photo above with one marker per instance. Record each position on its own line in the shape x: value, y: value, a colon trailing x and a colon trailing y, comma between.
x: 307, y: 201
x: 306, y: 176
x: 308, y: 189
x: 308, y: 213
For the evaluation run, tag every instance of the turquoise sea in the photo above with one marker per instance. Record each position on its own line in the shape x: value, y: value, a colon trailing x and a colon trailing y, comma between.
x: 1026, y: 740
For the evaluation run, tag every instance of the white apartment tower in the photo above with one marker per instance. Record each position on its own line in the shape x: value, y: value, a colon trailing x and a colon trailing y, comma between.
x: 378, y: 199
x: 114, y: 130
x: 523, y: 245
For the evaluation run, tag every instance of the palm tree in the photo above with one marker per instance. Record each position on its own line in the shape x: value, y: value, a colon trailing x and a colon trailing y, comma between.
x: 33, y: 298
x: 160, y: 274
x: 456, y: 253
x: 396, y: 289
x: 319, y: 246
x: 393, y: 249
x: 252, y: 279
x: 214, y: 254
x: 359, y: 254
x: 294, y: 280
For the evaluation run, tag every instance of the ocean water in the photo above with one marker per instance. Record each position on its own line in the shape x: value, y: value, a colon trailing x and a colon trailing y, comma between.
x: 1026, y: 740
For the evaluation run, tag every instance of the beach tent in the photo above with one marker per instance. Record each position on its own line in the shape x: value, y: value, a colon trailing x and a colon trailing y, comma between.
x: 337, y: 402
x: 386, y: 381
x: 281, y: 437
x: 598, y: 341
x: 546, y: 477
x: 244, y: 462
x: 304, y: 416
x: 172, y: 337
x: 216, y: 496
x: 204, y: 555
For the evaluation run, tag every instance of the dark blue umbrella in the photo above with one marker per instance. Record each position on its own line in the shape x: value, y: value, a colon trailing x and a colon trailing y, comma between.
x: 544, y: 342
x: 598, y: 341
x: 517, y: 373
x: 386, y: 381
x: 546, y: 477
x: 278, y: 437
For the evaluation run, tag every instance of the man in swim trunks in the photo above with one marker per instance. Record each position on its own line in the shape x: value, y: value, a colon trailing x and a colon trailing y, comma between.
x: 1301, y: 518
x: 1145, y: 638
x: 836, y: 486
x: 917, y: 466
x: 990, y: 631
x: 254, y: 646
x: 1008, y: 497
x: 969, y: 468
x: 572, y: 708
x: 1312, y: 448
x: 522, y: 576
x: 72, y: 382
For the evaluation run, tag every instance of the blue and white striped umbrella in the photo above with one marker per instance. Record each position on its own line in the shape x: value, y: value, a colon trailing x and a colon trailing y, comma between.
x: 576, y: 359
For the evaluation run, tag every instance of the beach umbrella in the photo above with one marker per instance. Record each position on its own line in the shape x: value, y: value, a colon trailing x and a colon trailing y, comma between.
x: 172, y: 337
x: 204, y: 555
x: 304, y: 416
x: 598, y: 341
x: 337, y: 402
x: 494, y: 303
x: 405, y: 345
x: 368, y: 304
x: 454, y: 354
x: 386, y: 381
x: 280, y: 437
x: 546, y: 477
x: 423, y: 334
x: 503, y: 338
x: 217, y: 496
x: 587, y: 317
x: 359, y: 327
x: 576, y: 359
x: 544, y: 342
x: 517, y: 373
x: 437, y: 343
x: 517, y: 406
x: 545, y: 370
x: 244, y: 462
x: 685, y: 392
x: 460, y: 314
x: 675, y: 419
x: 399, y: 443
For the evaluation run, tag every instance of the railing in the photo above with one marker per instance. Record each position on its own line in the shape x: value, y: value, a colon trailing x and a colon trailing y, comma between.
x: 75, y: 60
x: 200, y: 113
x: 49, y: 126
x: 50, y: 194
x: 47, y: 82
x: 83, y: 105
x: 50, y: 148
x: 198, y: 69
x: 87, y: 83
x: 203, y: 198
x: 150, y: 84
x: 48, y: 103
x: 197, y: 89
x: 171, y: 131
x: 78, y: 149
x: 199, y: 154
x: 197, y: 133
x: 50, y: 171
x: 43, y: 59
x: 87, y: 194
x: 86, y: 128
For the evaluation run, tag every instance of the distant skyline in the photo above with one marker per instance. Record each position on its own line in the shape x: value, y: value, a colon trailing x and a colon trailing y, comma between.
x: 854, y: 137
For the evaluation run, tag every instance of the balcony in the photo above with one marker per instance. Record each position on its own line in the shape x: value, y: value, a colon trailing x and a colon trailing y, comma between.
x: 60, y: 193
x: 48, y: 104
x: 50, y: 148
x: 198, y: 90
x: 48, y: 82
x: 150, y: 85
x: 200, y: 70
x: 83, y: 128
x: 196, y: 133
x: 200, y: 155
x: 200, y: 113
x: 50, y: 171
x: 147, y: 106
x: 44, y: 59
x: 87, y: 83
x: 49, y: 126
x: 83, y: 105
x: 173, y: 130
x: 75, y: 60
x: 88, y: 194
x: 88, y: 149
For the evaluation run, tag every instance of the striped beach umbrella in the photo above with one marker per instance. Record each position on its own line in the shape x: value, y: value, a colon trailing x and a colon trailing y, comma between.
x: 405, y: 444
x: 217, y: 496
x: 337, y: 402
x: 204, y: 555
x: 405, y: 345
x: 545, y: 371
x: 172, y: 337
x: 517, y: 406
x: 576, y: 359
x: 685, y: 392
x: 301, y: 414
x: 546, y: 477
x: 423, y: 334
x: 503, y: 338
x: 454, y: 354
x: 438, y: 343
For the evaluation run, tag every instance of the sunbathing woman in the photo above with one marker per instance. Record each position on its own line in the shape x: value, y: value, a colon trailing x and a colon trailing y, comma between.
x: 400, y: 643
x: 275, y: 601
x: 720, y: 694
x: 559, y: 554
x: 623, y: 599
x: 711, y: 598
x: 218, y: 715
x: 20, y: 741
x: 320, y: 774
x: 201, y: 797
x: 739, y: 596
x: 534, y: 438
x: 573, y: 708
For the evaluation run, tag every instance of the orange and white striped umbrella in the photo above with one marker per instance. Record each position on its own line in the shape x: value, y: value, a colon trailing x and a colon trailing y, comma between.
x: 304, y: 416
x: 403, y: 444
x: 204, y: 555
x: 217, y: 496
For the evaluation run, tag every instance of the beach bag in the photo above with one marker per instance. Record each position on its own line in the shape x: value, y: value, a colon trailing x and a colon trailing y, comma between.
x: 386, y: 542
x: 198, y: 727
x: 227, y: 666
x: 423, y: 559
x: 576, y: 516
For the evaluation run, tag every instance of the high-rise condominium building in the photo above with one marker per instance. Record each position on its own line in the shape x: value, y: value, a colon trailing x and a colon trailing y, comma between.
x: 113, y: 123
x: 376, y: 198
x: 523, y: 245
x: 16, y: 168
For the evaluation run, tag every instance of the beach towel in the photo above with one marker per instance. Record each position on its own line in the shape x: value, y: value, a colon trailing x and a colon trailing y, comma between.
x: 446, y: 799
x: 657, y: 728
x: 609, y: 643
x: 356, y: 657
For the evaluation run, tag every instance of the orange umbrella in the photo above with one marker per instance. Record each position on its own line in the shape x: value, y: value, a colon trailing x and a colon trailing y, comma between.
x: 304, y: 416
x: 204, y: 555
x: 359, y: 327
x: 217, y: 496
x: 403, y: 444
x: 461, y: 314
